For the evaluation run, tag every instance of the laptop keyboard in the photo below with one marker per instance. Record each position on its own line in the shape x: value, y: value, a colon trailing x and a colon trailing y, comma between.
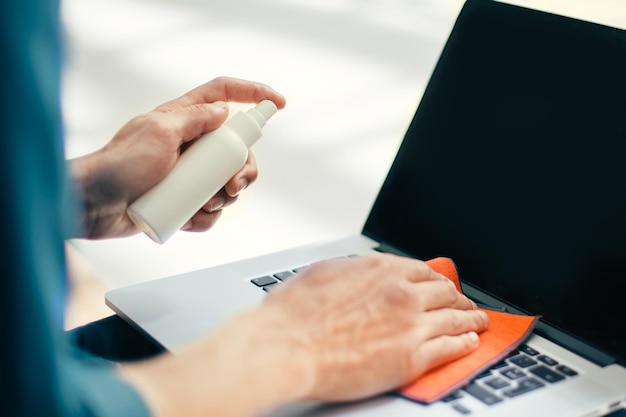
x: 268, y: 281
x: 524, y: 370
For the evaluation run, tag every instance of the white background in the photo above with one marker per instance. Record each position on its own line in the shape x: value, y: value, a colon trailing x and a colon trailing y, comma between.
x: 353, y: 72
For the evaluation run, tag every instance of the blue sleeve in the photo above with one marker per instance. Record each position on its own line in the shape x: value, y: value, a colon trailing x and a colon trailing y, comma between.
x: 40, y: 373
x: 91, y: 388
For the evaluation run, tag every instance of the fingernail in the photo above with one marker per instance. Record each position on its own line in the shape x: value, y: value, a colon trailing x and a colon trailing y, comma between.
x: 217, y: 204
x: 473, y: 337
x: 186, y: 226
x: 243, y: 183
x: 483, y: 316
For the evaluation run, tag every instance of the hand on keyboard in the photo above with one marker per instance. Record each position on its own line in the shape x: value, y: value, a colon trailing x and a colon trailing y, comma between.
x: 372, y: 323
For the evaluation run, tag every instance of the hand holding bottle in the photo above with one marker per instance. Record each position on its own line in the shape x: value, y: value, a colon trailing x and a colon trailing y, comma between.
x: 215, y: 158
x: 146, y: 149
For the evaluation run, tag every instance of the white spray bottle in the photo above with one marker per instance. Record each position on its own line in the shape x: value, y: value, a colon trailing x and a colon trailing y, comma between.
x: 201, y: 171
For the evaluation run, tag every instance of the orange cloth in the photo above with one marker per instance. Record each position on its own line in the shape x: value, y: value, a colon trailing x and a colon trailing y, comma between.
x: 505, y: 333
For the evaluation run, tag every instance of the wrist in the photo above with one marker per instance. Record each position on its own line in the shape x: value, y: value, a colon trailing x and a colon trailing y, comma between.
x: 267, y: 358
x: 254, y: 358
x: 282, y: 356
x: 99, y: 199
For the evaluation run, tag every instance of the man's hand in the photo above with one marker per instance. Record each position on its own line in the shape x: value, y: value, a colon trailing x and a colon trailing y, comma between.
x: 146, y: 149
x: 340, y: 330
x: 374, y: 323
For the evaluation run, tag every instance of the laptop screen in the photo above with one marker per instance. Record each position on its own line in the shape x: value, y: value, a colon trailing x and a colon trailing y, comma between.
x: 515, y: 167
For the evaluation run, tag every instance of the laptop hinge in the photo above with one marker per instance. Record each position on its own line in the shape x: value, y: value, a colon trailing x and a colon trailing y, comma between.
x: 385, y: 248
x: 543, y: 328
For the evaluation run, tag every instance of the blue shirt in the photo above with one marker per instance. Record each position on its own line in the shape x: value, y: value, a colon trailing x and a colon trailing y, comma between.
x: 42, y: 374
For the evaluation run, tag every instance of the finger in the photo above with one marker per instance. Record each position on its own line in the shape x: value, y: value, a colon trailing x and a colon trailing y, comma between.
x: 415, y: 270
x: 226, y: 89
x: 202, y: 221
x: 219, y: 201
x: 420, y: 271
x: 441, y: 350
x: 450, y: 321
x: 243, y: 178
x: 188, y: 123
x: 430, y: 295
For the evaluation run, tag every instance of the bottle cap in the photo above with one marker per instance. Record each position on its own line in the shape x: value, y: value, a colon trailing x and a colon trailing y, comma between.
x: 262, y: 112
x: 247, y: 125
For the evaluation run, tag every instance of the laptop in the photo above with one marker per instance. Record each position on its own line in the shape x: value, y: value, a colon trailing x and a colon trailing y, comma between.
x: 514, y: 166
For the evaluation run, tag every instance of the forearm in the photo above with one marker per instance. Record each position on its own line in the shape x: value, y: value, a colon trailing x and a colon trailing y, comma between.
x: 249, y: 366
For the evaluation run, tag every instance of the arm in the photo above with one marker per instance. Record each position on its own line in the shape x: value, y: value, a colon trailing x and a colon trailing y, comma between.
x: 389, y: 320
x: 145, y: 150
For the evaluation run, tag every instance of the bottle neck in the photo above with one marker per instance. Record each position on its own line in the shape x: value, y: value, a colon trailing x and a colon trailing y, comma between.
x: 246, y: 127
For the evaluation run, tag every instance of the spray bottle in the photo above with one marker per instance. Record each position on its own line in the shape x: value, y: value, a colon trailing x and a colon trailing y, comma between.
x: 201, y: 171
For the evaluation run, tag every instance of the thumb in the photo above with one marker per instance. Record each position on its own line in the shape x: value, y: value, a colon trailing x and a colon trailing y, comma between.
x: 198, y: 119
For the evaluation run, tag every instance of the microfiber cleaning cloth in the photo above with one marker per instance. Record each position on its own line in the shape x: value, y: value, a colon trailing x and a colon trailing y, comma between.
x: 505, y: 333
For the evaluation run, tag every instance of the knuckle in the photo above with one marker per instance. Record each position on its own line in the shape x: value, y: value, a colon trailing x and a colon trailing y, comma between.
x: 158, y: 128
x: 422, y: 269
x: 200, y: 108
x: 449, y: 292
x: 385, y: 265
x: 220, y: 80
x: 400, y: 294
x: 377, y: 261
x: 455, y: 322
x: 252, y: 172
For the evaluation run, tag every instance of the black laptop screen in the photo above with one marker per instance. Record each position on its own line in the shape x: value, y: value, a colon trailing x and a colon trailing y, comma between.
x: 515, y: 167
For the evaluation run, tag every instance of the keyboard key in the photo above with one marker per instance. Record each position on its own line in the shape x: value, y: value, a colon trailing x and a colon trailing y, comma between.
x: 482, y: 394
x: 483, y: 375
x: 284, y: 275
x: 528, y: 350
x: 454, y: 396
x: 547, y: 360
x: 296, y: 270
x: 500, y: 365
x: 263, y: 281
x: 512, y: 373
x: 461, y: 409
x: 497, y: 383
x: 524, y: 386
x: 547, y: 374
x: 522, y: 361
x: 267, y: 288
x: 566, y: 370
